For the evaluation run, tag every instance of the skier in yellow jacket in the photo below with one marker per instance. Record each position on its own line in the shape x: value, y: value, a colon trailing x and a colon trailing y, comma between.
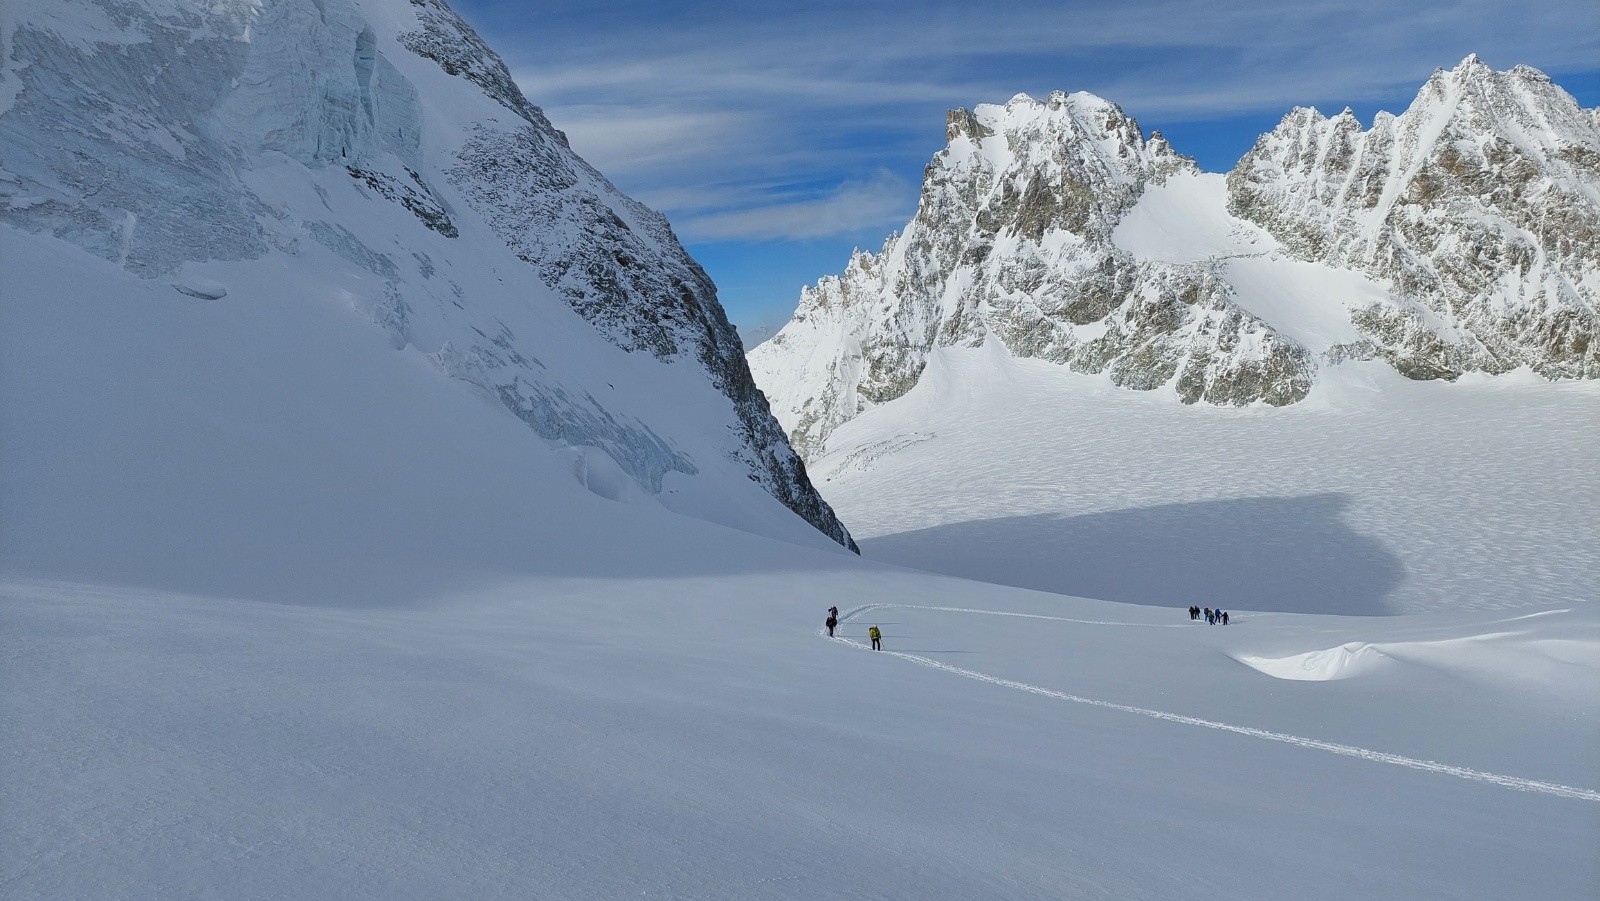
x: 877, y: 638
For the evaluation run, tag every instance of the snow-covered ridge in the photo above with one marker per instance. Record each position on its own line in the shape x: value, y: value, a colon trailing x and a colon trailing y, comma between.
x: 386, y: 137
x: 1058, y: 230
x: 1479, y: 205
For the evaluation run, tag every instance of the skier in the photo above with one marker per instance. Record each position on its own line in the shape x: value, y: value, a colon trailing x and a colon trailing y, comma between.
x: 877, y: 638
x: 833, y: 612
x: 1209, y: 616
x: 1224, y: 617
x: 1194, y: 613
x: 830, y: 622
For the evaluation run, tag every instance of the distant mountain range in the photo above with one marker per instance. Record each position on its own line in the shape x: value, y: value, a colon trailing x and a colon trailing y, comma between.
x: 1462, y: 235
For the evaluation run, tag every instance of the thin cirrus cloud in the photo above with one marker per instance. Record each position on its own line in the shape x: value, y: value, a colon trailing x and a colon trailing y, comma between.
x: 799, y: 123
x: 885, y: 200
x: 706, y: 94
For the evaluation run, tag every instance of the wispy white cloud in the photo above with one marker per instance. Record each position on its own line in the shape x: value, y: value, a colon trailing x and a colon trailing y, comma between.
x: 882, y: 201
x: 638, y: 139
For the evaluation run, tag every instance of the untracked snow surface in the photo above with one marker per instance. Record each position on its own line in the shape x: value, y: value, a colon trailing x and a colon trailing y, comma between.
x: 1380, y: 496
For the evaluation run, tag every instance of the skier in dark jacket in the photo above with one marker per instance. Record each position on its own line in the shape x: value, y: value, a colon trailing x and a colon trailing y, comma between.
x: 830, y: 622
x: 1194, y: 613
x: 1224, y: 617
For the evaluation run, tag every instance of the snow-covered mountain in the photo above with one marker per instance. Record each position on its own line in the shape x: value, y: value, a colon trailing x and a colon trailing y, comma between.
x: 1456, y: 237
x: 329, y: 162
x: 1479, y: 205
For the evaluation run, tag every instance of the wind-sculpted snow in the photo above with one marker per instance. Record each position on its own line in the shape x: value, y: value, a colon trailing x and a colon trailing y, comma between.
x: 1480, y: 204
x: 166, y: 135
x: 1459, y: 236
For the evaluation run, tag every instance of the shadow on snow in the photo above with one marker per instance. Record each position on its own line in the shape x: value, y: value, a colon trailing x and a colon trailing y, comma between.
x: 1287, y: 554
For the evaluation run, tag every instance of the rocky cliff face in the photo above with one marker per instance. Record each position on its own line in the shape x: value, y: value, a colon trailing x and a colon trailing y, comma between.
x: 164, y: 136
x: 1480, y: 203
x: 1458, y: 236
x: 611, y: 253
x: 1013, y: 239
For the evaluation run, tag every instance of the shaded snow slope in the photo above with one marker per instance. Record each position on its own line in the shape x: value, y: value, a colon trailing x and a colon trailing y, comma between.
x: 377, y: 154
x: 1387, y: 496
x: 273, y: 445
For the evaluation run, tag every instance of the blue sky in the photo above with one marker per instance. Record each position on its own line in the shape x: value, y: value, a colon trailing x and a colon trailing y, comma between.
x: 778, y: 139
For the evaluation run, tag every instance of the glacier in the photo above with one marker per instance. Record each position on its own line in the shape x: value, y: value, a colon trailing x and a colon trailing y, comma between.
x: 385, y: 512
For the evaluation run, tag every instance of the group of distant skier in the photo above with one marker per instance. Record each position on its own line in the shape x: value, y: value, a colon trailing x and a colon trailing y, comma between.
x: 1213, y: 617
x: 832, y: 622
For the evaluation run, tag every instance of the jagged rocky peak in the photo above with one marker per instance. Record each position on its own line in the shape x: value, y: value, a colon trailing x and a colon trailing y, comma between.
x: 388, y: 136
x: 1072, y: 162
x: 1480, y: 205
x: 1013, y: 241
x: 1460, y: 235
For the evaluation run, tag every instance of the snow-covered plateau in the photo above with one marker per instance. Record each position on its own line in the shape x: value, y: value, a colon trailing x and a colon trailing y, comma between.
x: 386, y: 512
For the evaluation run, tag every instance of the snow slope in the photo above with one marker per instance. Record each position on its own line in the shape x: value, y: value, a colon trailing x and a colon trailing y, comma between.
x: 375, y: 155
x: 256, y: 448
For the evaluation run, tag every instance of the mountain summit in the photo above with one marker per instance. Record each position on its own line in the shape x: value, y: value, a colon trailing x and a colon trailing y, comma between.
x: 1479, y: 205
x: 1459, y: 236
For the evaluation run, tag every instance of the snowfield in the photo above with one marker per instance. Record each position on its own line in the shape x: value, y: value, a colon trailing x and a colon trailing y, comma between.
x: 657, y: 732
x: 368, y: 637
x: 1377, y: 496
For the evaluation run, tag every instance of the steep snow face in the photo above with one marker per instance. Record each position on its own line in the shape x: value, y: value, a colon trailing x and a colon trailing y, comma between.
x: 1480, y: 205
x: 1458, y: 236
x: 1014, y: 238
x: 235, y: 141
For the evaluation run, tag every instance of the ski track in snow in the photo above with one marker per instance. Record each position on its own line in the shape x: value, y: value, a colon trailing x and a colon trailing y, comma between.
x: 1460, y: 772
x: 1059, y: 619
